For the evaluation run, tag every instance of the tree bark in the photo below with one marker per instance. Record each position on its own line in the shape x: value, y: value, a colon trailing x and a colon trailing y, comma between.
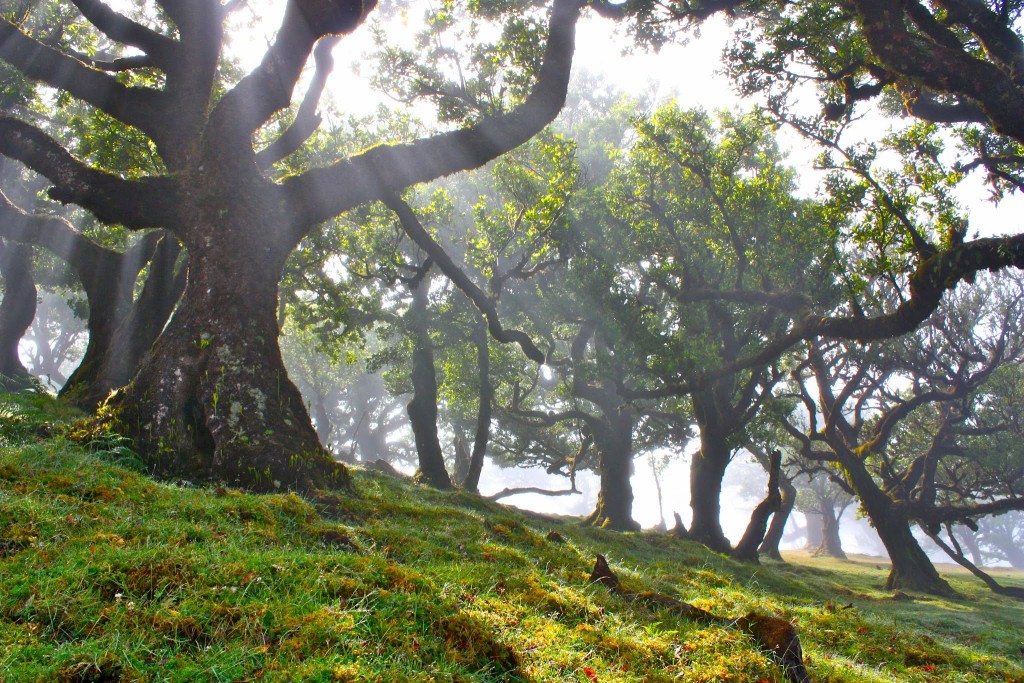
x: 142, y: 324
x: 17, y: 310
x: 706, y: 473
x: 212, y: 399
x: 772, y: 539
x: 108, y: 279
x: 747, y: 549
x: 613, y: 439
x: 483, y: 415
x: 831, y: 543
x: 911, y: 568
x: 422, y: 408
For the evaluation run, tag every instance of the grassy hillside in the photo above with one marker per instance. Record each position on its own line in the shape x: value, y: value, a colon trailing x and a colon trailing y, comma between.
x: 107, y: 575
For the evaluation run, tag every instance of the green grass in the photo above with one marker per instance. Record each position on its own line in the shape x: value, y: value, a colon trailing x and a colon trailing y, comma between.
x: 107, y: 575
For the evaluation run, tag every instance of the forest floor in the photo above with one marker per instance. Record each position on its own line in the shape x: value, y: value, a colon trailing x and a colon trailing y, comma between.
x: 108, y: 575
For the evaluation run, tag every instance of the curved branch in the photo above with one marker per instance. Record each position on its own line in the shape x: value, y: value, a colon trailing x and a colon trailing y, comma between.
x: 268, y: 88
x: 957, y: 555
x: 932, y: 515
x: 540, y: 418
x: 308, y: 119
x: 933, y: 277
x: 940, y: 67
x: 320, y: 194
x: 782, y: 300
x: 121, y: 29
x: 505, y: 493
x: 133, y: 106
x: 49, y: 232
x: 999, y: 40
x: 122, y: 63
x: 135, y: 204
x: 415, y: 230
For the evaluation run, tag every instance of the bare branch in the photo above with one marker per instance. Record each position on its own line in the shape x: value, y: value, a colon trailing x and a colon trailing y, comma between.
x: 268, y: 88
x: 307, y: 120
x: 414, y: 229
x: 505, y: 493
x: 135, y: 204
x: 322, y: 193
x: 121, y: 29
x: 133, y: 106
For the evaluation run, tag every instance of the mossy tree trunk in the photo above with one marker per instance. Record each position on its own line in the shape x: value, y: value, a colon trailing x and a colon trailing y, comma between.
x: 484, y: 410
x: 422, y: 408
x: 613, y: 439
x: 212, y: 398
x: 747, y: 548
x: 773, y: 538
x: 706, y: 473
x: 108, y: 278
x: 911, y: 568
x: 17, y: 310
x: 142, y: 324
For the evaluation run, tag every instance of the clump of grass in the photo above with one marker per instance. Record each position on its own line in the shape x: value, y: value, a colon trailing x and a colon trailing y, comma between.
x: 111, y: 576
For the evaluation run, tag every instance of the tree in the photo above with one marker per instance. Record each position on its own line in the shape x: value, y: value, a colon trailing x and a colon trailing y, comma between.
x: 212, y: 398
x: 898, y: 420
x: 1002, y: 538
x: 17, y: 310
x: 724, y: 256
x: 826, y: 501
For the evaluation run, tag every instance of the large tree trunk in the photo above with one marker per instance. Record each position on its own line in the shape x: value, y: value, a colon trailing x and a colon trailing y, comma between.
x: 142, y: 324
x: 614, y: 444
x: 108, y: 278
x: 831, y: 543
x: 911, y: 568
x: 17, y: 310
x: 212, y: 399
x: 422, y: 408
x: 706, y: 473
x: 483, y: 415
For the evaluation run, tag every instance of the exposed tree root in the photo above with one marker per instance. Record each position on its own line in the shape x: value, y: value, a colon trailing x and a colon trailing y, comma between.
x: 775, y: 635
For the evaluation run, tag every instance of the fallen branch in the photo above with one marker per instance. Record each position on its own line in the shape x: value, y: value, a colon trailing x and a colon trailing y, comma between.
x: 957, y: 555
x: 775, y: 635
x: 505, y: 493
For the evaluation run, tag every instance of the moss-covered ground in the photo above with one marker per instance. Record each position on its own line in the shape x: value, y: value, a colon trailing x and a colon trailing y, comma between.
x: 108, y: 575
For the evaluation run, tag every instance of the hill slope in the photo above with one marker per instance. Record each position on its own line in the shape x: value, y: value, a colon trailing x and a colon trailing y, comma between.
x: 107, y: 575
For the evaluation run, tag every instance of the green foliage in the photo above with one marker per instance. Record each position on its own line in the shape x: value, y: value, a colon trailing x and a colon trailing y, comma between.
x: 472, y: 60
x: 108, y: 574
